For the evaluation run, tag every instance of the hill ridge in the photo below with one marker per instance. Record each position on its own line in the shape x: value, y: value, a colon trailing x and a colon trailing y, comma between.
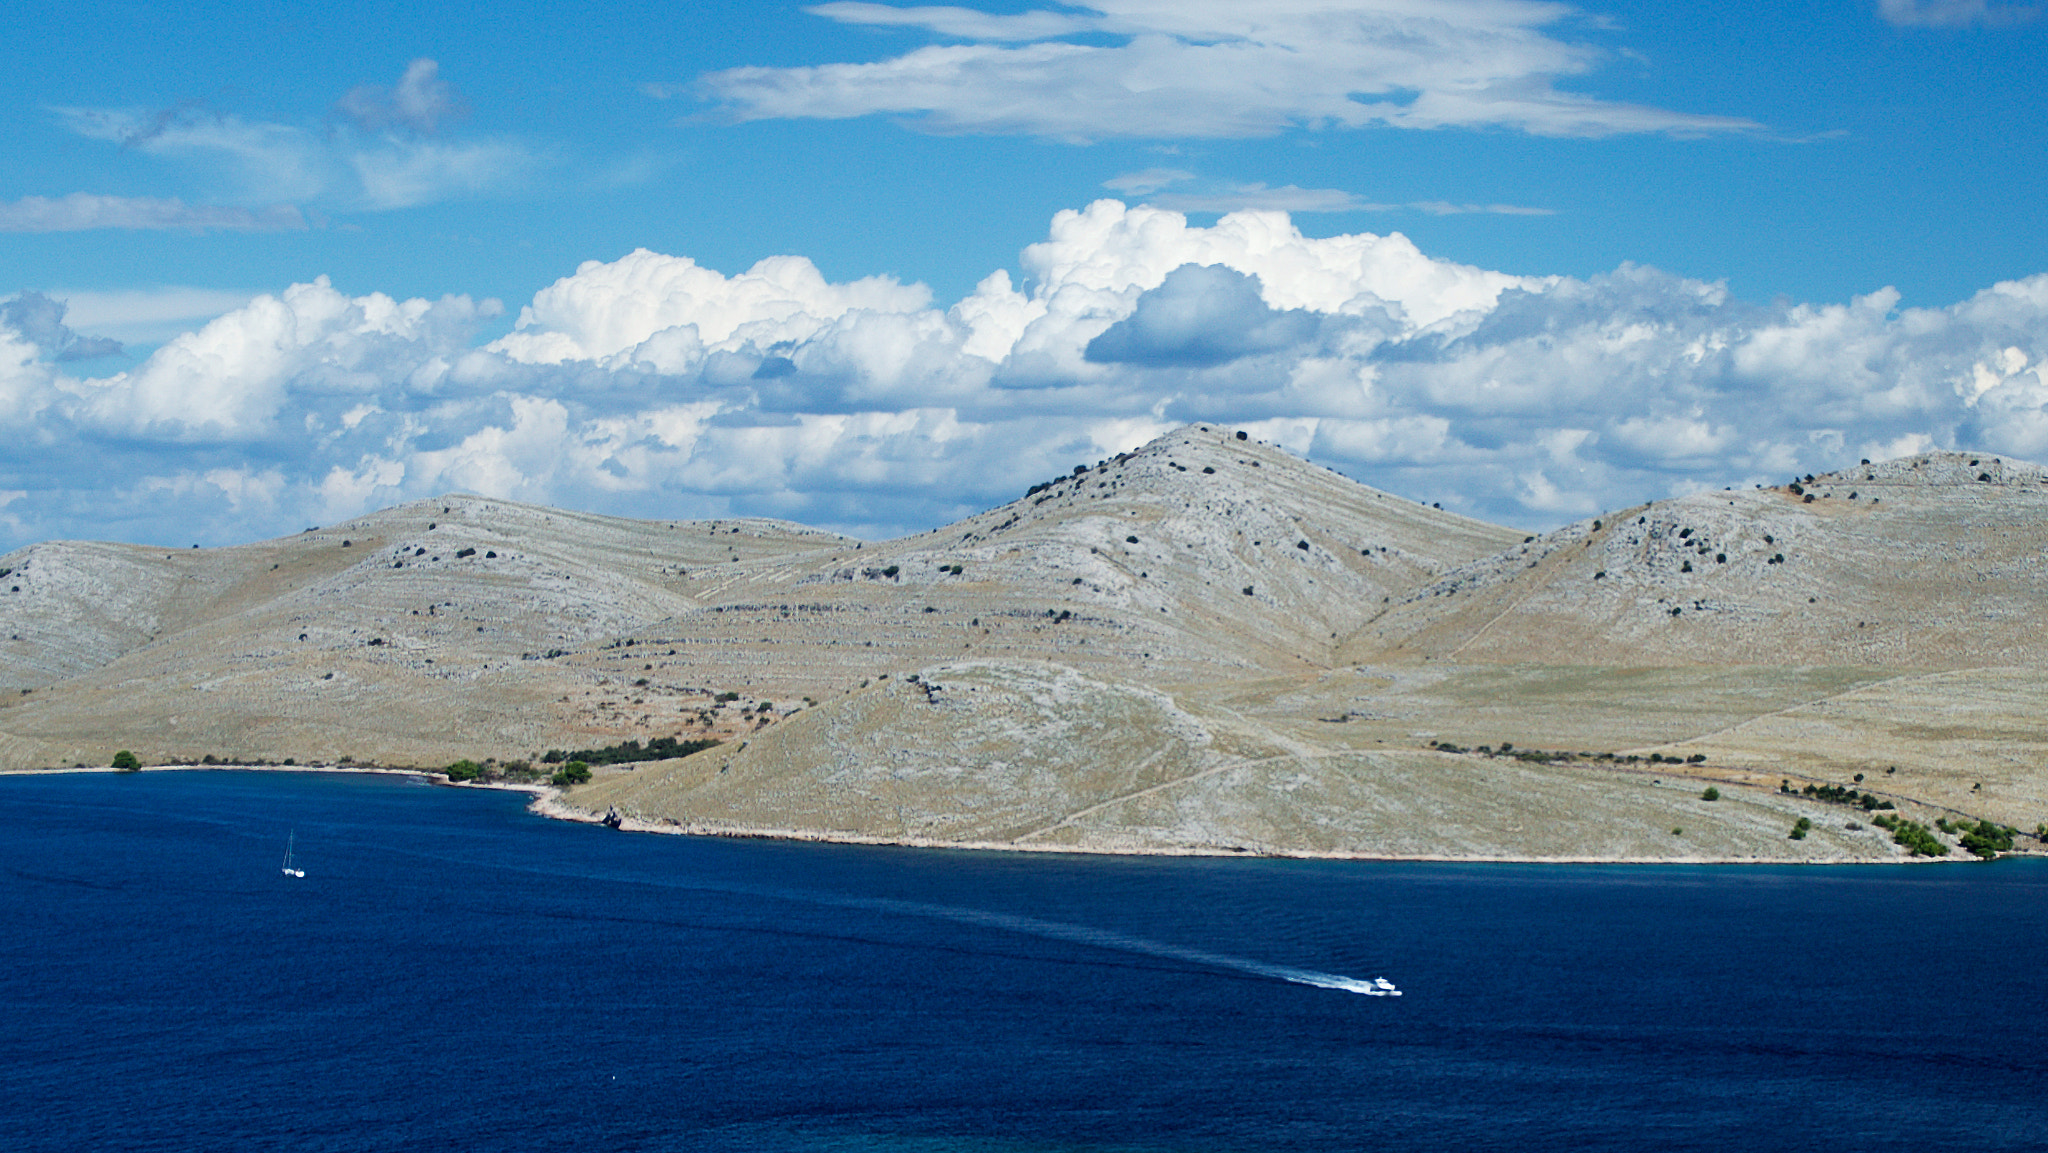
x: 1202, y: 644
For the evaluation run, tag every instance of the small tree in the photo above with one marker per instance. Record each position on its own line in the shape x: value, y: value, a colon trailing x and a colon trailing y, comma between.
x: 126, y: 762
x: 464, y: 770
x: 573, y: 773
x: 1712, y: 794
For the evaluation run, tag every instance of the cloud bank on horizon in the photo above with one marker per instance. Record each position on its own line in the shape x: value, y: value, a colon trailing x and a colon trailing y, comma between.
x: 147, y: 185
x: 651, y: 385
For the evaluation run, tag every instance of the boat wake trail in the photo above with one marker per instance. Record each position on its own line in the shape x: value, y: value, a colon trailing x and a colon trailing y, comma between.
x: 1051, y: 930
x: 1125, y: 943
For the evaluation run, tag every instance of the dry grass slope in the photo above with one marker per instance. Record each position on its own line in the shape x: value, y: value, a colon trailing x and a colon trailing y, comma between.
x: 1203, y: 645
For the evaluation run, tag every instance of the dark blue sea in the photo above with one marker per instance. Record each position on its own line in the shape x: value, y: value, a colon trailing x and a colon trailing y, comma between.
x: 454, y: 973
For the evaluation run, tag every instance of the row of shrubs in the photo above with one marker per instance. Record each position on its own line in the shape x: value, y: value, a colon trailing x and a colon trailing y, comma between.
x: 517, y: 772
x: 1549, y: 756
x: 574, y: 767
x: 1839, y: 795
x: 127, y: 761
x: 628, y: 752
x: 1984, y: 838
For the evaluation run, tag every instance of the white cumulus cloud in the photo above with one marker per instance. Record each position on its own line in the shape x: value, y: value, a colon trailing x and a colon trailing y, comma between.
x: 651, y: 385
x: 606, y: 310
x: 233, y: 378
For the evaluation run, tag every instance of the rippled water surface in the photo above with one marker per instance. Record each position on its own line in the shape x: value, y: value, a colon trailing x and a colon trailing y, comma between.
x: 453, y: 973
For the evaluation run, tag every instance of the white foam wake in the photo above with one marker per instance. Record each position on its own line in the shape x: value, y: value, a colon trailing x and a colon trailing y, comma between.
x: 1060, y: 931
x: 1125, y: 943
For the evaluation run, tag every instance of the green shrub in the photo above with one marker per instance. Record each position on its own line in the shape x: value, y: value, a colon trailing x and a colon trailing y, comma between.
x: 1800, y: 829
x: 573, y: 773
x: 1712, y: 794
x: 1987, y: 840
x: 126, y: 762
x: 464, y: 770
x: 1913, y: 836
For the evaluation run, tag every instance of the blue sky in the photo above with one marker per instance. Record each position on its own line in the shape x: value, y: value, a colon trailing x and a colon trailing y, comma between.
x: 1647, y: 248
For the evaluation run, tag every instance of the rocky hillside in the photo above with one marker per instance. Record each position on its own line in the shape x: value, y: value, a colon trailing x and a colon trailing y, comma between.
x: 1204, y: 644
x: 1935, y: 561
x: 463, y: 625
x: 1199, y: 555
x: 403, y: 636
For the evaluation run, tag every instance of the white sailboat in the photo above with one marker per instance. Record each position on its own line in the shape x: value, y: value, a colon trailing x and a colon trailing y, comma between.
x: 290, y: 841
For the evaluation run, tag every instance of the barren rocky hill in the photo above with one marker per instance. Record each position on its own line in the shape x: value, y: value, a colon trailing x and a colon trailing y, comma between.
x: 404, y: 635
x: 1204, y: 644
x: 1935, y: 561
x: 462, y: 624
x: 1199, y: 555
